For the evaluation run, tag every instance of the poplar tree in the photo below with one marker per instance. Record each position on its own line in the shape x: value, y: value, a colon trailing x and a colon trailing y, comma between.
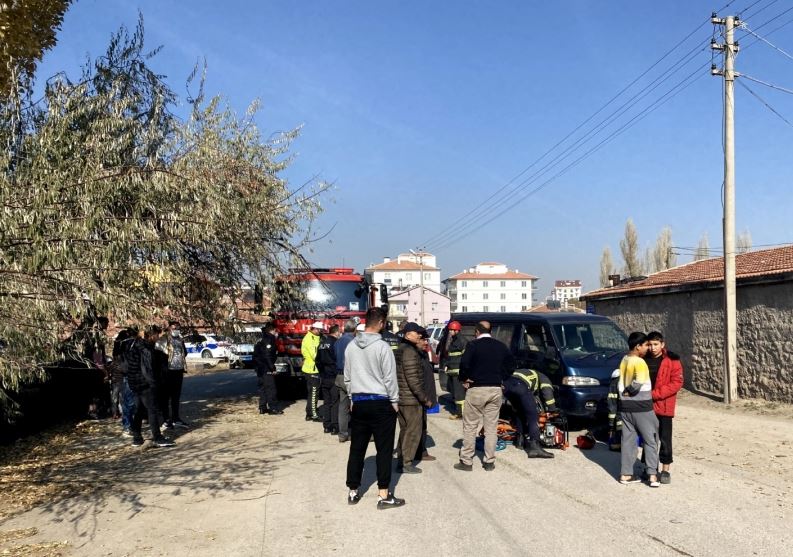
x: 629, y: 246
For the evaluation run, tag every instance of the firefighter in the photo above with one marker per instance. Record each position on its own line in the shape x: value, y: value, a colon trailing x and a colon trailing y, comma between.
x: 520, y: 389
x: 451, y: 354
x: 264, y: 355
x: 308, y: 348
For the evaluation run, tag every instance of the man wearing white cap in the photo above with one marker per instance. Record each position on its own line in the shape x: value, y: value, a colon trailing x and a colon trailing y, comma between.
x: 309, y: 349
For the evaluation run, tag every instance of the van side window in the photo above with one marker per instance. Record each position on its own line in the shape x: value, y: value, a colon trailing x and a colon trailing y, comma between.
x: 531, y: 345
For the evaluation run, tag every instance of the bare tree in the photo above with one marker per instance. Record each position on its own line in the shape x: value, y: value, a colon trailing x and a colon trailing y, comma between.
x: 744, y: 242
x: 703, y: 248
x: 662, y: 256
x: 606, y: 267
x: 629, y: 246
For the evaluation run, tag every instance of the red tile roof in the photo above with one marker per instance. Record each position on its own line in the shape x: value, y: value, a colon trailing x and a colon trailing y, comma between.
x: 761, y: 263
x: 400, y: 266
x: 510, y: 275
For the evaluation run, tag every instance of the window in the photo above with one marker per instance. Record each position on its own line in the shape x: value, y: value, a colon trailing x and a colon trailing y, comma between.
x: 503, y: 296
x: 523, y: 296
x: 523, y: 284
x: 485, y: 308
x: 464, y: 284
x: 463, y: 296
x: 426, y: 276
x: 503, y: 309
x: 408, y: 276
x: 484, y: 284
x: 387, y: 275
x: 524, y: 308
x: 503, y: 284
x: 485, y: 297
x: 464, y: 309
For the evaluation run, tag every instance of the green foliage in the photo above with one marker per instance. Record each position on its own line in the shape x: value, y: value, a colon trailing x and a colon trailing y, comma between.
x: 111, y: 205
x: 27, y: 29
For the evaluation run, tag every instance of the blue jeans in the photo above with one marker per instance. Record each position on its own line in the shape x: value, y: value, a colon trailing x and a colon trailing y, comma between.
x: 128, y: 405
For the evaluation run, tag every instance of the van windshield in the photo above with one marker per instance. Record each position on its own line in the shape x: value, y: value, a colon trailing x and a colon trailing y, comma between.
x: 577, y: 341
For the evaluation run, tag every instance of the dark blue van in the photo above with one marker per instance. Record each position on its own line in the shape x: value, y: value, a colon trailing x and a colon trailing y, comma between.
x: 576, y: 351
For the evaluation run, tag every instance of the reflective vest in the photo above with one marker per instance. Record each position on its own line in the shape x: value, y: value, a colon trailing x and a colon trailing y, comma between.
x: 456, y: 349
x: 538, y: 382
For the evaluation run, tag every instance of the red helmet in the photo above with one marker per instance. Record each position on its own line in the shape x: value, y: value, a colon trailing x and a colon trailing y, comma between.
x: 454, y: 326
x: 585, y: 441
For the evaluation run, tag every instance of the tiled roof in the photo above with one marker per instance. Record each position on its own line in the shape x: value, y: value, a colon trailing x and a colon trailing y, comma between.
x: 761, y: 263
x: 567, y: 283
x: 490, y: 263
x: 510, y: 275
x: 400, y: 266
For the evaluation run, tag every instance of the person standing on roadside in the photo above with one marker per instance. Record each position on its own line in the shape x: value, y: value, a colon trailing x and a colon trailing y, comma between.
x: 412, y: 398
x: 344, y: 396
x: 264, y: 355
x: 141, y: 376
x: 483, y: 368
x: 666, y: 377
x: 451, y: 354
x: 326, y: 363
x: 371, y: 378
x: 308, y: 349
x: 432, y: 394
x: 173, y: 374
x: 636, y: 408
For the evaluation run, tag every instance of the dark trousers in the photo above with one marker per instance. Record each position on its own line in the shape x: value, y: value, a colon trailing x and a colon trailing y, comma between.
x: 268, y: 392
x: 410, y: 432
x: 522, y: 400
x: 665, y: 437
x: 423, y: 443
x: 172, y: 394
x: 312, y: 394
x: 368, y: 418
x: 344, y: 406
x: 455, y: 388
x: 146, y: 401
x: 330, y: 399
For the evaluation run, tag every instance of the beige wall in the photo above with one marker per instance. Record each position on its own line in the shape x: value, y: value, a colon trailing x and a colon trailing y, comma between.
x: 692, y: 325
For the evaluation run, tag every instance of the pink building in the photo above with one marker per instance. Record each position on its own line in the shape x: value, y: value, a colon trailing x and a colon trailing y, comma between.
x: 406, y: 306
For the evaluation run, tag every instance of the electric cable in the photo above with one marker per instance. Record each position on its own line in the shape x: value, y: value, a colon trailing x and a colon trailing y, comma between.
x: 746, y: 28
x: 763, y: 101
x: 771, y: 85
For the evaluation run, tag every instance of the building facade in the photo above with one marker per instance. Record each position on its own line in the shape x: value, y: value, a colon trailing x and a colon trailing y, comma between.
x: 564, y: 290
x: 406, y: 271
x: 405, y: 305
x: 490, y: 287
x: 686, y: 304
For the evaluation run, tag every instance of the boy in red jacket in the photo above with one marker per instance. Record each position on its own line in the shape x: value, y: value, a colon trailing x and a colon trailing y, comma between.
x: 666, y: 376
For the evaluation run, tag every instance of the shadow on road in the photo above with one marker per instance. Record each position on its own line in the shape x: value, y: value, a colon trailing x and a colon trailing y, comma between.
x: 608, y: 461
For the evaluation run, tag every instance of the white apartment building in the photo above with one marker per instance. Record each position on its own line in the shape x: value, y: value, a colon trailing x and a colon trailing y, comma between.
x: 564, y: 290
x: 406, y: 271
x: 491, y: 287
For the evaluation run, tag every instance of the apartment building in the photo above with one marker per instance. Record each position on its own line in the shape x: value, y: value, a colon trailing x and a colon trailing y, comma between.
x: 491, y: 286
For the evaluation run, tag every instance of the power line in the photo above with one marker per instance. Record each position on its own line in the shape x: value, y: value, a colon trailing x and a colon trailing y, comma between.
x: 741, y: 16
x: 768, y: 106
x: 766, y: 41
x: 771, y: 85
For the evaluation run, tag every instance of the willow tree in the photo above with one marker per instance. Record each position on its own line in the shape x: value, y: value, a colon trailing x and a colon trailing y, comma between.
x: 112, y: 205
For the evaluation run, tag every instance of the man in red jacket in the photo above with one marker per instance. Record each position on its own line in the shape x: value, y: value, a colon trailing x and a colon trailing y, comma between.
x: 666, y: 375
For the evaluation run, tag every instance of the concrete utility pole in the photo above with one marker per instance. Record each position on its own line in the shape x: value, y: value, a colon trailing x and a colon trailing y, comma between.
x: 420, y: 255
x: 730, y: 49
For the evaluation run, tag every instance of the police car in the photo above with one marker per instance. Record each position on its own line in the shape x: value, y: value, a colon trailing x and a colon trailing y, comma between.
x: 206, y: 345
x: 241, y: 349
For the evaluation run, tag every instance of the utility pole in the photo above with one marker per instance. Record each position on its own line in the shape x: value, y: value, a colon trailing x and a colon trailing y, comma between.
x: 420, y: 255
x: 730, y: 49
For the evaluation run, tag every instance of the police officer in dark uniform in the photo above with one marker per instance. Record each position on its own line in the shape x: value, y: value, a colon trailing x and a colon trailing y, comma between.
x: 391, y: 339
x: 264, y: 355
x: 520, y: 389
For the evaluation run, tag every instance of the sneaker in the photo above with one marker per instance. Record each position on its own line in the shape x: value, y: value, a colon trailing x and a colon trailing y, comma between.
x: 625, y: 480
x: 353, y: 497
x: 164, y: 442
x: 126, y: 433
x: 409, y: 469
x: 137, y: 441
x: 343, y: 438
x: 168, y: 426
x: 464, y: 467
x: 489, y: 466
x: 655, y: 482
x: 389, y: 502
x: 666, y: 478
x: 181, y: 424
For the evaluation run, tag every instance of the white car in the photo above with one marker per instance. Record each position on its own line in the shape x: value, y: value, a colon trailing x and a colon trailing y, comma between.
x: 206, y: 345
x: 241, y: 349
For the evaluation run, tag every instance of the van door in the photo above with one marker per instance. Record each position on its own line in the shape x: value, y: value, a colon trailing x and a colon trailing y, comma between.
x: 535, y: 350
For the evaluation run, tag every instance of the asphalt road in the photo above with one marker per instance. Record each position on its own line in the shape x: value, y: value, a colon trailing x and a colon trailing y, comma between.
x: 244, y: 484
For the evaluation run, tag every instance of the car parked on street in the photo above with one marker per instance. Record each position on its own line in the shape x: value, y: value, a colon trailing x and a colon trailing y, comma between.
x: 435, y: 330
x: 241, y: 349
x: 206, y: 345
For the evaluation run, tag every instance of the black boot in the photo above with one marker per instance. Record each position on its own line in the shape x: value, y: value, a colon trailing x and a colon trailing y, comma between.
x: 519, y: 442
x: 534, y: 450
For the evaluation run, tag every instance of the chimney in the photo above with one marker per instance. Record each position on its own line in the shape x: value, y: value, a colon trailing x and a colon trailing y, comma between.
x: 386, y: 260
x: 614, y: 280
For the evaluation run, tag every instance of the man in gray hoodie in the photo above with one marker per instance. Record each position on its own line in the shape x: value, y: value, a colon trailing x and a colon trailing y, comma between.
x: 371, y: 379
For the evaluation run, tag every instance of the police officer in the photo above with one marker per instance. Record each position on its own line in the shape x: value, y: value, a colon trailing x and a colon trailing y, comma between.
x: 451, y: 354
x: 391, y: 339
x: 264, y: 355
x: 520, y: 389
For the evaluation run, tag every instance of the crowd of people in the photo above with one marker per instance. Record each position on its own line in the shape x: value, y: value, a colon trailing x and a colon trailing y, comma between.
x: 370, y: 380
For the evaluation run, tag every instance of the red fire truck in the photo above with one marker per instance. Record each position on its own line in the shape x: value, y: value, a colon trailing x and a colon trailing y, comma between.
x: 331, y: 296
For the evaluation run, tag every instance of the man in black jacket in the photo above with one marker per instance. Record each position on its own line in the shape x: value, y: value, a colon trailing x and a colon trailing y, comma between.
x: 141, y: 377
x: 483, y: 368
x: 264, y: 355
x: 326, y: 364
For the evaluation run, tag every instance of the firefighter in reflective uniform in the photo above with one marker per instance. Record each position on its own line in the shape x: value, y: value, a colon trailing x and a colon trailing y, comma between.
x: 391, y: 339
x: 451, y: 354
x: 520, y: 389
x: 615, y: 420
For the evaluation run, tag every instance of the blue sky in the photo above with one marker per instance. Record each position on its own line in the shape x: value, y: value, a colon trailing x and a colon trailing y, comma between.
x: 419, y: 111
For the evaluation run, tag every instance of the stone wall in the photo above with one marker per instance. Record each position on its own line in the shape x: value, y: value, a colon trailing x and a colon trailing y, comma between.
x: 692, y: 323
